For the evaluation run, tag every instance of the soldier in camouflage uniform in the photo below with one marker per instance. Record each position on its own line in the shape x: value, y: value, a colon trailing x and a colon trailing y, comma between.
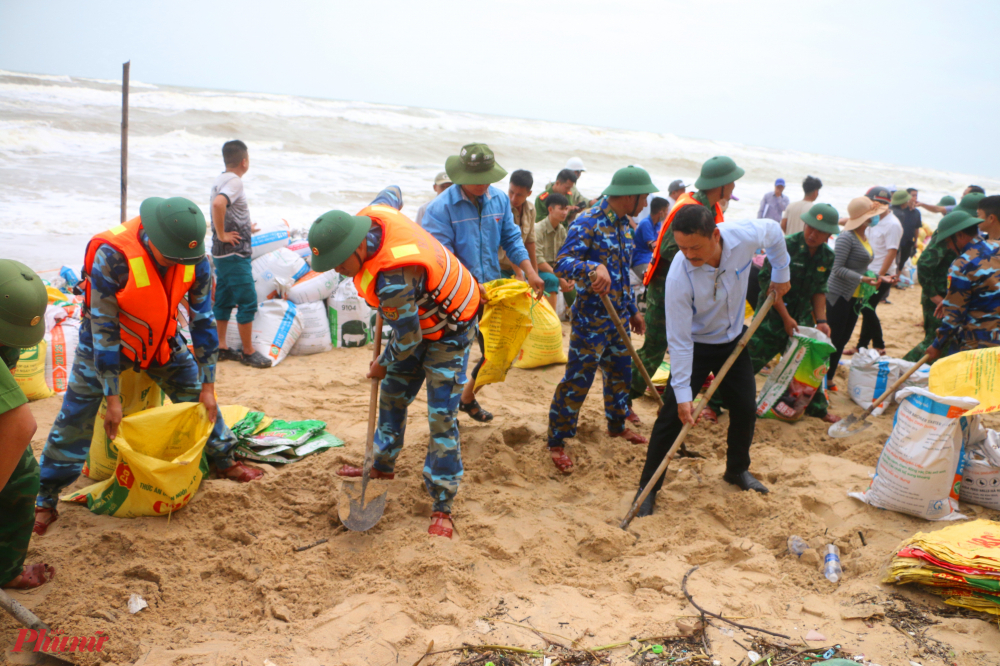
x: 805, y: 302
x: 22, y: 311
x: 352, y: 245
x: 970, y: 312
x: 599, y: 242
x: 101, y: 352
x: 932, y: 274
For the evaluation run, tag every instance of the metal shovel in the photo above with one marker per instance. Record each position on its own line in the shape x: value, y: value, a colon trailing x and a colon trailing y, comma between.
x: 354, y: 513
x: 852, y: 425
x: 758, y: 318
x: 31, y: 621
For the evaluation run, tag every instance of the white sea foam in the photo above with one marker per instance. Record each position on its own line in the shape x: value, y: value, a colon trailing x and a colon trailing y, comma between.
x: 59, y: 156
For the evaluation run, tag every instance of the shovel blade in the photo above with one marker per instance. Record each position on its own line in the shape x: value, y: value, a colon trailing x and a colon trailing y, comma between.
x: 355, y: 513
x: 848, y: 426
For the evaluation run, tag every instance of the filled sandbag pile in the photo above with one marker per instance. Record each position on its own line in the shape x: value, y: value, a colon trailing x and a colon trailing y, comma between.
x: 349, y: 316
x: 871, y: 374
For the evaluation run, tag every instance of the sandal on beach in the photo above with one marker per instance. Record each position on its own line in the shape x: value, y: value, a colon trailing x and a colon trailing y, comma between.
x: 42, y: 525
x: 629, y: 436
x: 352, y: 471
x: 255, y: 360
x: 474, y: 410
x: 240, y: 473
x: 439, y: 526
x: 633, y: 418
x: 33, y: 575
x: 229, y: 354
x: 562, y: 461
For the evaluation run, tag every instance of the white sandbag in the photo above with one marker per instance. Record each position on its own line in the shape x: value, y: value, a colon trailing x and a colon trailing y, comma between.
x: 314, y: 287
x: 276, y: 329
x: 276, y: 271
x: 60, y: 350
x: 350, y: 317
x: 870, y: 375
x: 920, y: 469
x: 981, y: 469
x: 301, y: 248
x: 315, y: 337
x: 562, y: 311
x: 270, y: 237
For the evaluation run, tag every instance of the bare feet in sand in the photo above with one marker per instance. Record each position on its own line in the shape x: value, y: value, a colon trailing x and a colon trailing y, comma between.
x: 241, y: 473
x: 831, y: 418
x: 33, y: 575
x: 44, y: 518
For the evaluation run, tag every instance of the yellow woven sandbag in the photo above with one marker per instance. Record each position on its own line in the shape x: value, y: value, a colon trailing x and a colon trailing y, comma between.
x: 506, y: 323
x: 138, y: 392
x: 30, y: 372
x: 544, y: 344
x: 970, y: 374
x: 233, y: 414
x: 160, y: 463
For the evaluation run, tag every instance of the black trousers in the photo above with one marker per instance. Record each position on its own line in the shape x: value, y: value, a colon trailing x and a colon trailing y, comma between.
x: 906, y: 248
x: 739, y: 391
x: 871, y: 327
x: 842, y: 317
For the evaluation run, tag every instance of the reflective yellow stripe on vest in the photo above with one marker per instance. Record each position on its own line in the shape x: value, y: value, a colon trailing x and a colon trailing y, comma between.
x: 138, y: 268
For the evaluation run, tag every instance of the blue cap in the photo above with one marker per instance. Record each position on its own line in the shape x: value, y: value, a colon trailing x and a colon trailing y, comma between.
x: 780, y: 181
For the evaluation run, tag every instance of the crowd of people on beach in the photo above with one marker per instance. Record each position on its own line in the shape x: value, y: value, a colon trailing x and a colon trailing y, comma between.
x: 695, y: 271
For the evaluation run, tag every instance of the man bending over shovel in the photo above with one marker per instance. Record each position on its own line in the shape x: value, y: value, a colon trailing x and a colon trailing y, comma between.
x: 706, y: 290
x: 430, y: 300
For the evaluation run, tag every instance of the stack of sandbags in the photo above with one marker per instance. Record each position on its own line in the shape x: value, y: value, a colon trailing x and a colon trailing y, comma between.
x: 276, y: 329
x: 871, y: 374
x: 981, y: 468
x: 271, y: 237
x: 349, y: 316
x: 960, y: 563
x: 315, y: 337
x: 275, y: 272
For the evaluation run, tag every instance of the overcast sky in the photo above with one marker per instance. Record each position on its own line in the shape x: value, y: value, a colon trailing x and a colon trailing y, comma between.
x: 914, y: 83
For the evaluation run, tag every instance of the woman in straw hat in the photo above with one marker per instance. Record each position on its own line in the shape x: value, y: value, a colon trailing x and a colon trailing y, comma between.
x: 852, y: 254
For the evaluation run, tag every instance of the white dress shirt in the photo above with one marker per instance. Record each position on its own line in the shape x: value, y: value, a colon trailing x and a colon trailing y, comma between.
x: 706, y: 304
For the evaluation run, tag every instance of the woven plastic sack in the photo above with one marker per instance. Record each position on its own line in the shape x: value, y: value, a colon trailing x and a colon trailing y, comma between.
x: 315, y: 338
x: 981, y: 468
x: 799, y: 374
x: 30, y: 372
x: 920, y: 469
x: 269, y: 239
x: 60, y: 350
x: 275, y: 272
x: 544, y: 344
x: 276, y: 329
x: 350, y: 317
x: 313, y: 287
x: 870, y: 375
x: 975, y: 374
x: 505, y: 325
x: 138, y: 392
x: 160, y: 463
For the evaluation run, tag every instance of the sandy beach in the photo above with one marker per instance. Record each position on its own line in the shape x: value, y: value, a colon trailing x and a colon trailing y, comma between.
x: 533, y: 549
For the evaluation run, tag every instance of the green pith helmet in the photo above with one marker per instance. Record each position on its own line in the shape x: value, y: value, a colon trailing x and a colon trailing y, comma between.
x: 22, y: 305
x: 823, y: 217
x: 718, y: 171
x: 475, y: 165
x: 176, y: 227
x: 334, y: 237
x: 628, y: 181
x: 952, y: 223
x: 946, y: 200
x: 899, y: 197
x: 970, y: 202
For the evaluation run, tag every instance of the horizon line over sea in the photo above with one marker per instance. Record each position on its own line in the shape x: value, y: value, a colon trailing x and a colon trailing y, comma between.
x: 60, y: 157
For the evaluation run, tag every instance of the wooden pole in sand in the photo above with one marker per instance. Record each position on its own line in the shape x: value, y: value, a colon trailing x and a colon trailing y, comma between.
x: 125, y: 67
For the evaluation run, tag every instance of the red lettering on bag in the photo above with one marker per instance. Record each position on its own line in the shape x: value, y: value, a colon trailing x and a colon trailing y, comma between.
x: 124, y: 475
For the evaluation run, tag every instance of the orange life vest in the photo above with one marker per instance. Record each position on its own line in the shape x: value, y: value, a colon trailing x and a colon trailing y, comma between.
x: 686, y: 199
x: 452, y: 293
x: 147, y: 305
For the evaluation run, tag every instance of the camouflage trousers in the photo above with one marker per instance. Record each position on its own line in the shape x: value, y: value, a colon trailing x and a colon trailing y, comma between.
x: 768, y: 341
x: 442, y: 363
x: 931, y: 324
x: 654, y: 347
x: 591, y: 348
x: 17, y: 506
x: 69, y: 441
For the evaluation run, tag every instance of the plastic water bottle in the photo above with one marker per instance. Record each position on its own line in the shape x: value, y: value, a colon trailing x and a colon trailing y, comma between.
x: 831, y: 564
x: 796, y: 546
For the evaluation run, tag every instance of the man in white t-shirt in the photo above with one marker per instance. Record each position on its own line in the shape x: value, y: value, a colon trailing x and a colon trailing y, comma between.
x: 791, y: 217
x: 884, y: 234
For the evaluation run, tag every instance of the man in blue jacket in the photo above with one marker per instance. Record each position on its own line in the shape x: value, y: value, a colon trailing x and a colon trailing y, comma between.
x: 473, y: 220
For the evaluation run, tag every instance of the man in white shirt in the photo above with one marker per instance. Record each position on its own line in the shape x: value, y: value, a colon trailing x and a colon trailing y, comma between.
x: 791, y: 218
x: 885, y: 233
x: 706, y: 292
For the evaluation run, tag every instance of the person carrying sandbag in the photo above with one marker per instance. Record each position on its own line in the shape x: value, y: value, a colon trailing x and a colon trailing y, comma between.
x: 430, y: 301
x: 22, y: 324
x: 135, y: 276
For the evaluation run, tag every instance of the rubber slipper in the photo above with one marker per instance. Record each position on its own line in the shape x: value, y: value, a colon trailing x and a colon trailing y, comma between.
x: 351, y: 471
x: 630, y: 436
x: 40, y: 525
x: 474, y: 410
x: 561, y: 460
x: 33, y: 575
x: 230, y: 355
x: 240, y: 473
x: 438, y: 526
x: 255, y: 360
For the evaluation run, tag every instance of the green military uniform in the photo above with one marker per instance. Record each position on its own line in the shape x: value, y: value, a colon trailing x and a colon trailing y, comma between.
x: 574, y: 197
x: 932, y: 274
x: 22, y: 308
x: 654, y: 346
